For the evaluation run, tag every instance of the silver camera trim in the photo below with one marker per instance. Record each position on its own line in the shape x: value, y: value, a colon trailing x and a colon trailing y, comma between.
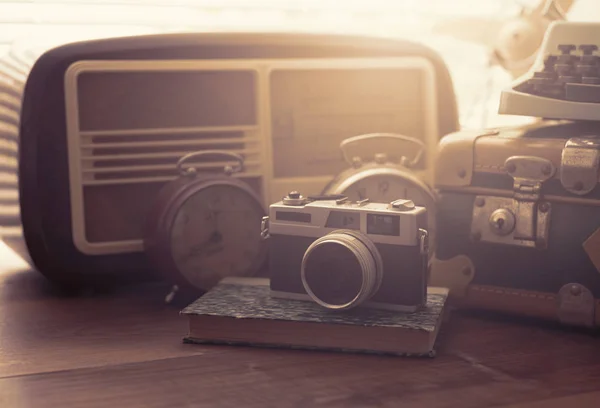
x: 319, y: 212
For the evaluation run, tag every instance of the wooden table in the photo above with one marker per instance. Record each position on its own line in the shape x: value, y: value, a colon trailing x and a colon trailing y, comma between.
x: 124, y: 349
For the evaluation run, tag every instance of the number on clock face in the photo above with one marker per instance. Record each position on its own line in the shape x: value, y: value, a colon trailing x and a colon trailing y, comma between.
x: 216, y: 233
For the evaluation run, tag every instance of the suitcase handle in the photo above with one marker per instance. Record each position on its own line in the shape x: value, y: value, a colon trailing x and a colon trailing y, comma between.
x: 353, y: 147
x: 227, y: 169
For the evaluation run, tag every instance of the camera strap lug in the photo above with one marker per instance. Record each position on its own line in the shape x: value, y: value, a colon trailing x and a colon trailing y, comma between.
x: 264, y: 227
x: 424, y: 242
x: 580, y: 163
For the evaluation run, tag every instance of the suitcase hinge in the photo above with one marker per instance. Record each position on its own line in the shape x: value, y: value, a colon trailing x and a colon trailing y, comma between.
x: 523, y: 219
x: 580, y: 162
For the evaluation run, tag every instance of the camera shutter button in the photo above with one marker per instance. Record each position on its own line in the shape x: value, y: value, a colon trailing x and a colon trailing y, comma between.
x: 294, y: 198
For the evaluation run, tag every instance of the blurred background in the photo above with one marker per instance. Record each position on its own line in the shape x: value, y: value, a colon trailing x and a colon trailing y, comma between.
x: 463, y: 32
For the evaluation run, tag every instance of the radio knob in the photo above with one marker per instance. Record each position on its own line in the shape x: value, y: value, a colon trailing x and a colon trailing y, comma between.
x: 502, y: 221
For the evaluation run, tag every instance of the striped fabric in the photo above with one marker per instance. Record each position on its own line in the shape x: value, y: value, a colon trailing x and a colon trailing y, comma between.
x: 14, y: 68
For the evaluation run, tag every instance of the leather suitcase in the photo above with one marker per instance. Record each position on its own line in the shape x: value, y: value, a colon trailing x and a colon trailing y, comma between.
x: 518, y: 220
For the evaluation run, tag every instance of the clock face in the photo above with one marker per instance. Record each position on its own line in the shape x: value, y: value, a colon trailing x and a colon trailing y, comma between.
x: 216, y: 233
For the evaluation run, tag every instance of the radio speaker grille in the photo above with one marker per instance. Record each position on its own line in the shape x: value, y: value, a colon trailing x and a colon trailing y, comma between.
x: 127, y: 157
x: 134, y: 126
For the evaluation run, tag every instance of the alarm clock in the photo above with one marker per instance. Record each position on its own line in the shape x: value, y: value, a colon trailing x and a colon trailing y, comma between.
x: 204, y: 227
x: 385, y: 167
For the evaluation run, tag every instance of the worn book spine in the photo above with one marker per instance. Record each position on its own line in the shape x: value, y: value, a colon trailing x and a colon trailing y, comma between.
x: 191, y: 340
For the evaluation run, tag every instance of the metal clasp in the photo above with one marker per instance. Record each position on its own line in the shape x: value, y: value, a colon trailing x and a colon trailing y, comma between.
x: 580, y: 162
x: 522, y: 220
x: 528, y: 173
x: 264, y: 227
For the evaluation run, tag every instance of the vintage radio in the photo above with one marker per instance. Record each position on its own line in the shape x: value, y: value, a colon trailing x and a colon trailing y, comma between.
x: 104, y: 123
x: 519, y: 208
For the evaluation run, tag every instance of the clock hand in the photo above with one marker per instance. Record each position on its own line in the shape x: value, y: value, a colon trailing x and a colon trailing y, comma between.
x: 214, y: 216
x: 215, y: 249
x: 194, y: 250
x: 205, y: 247
x: 215, y: 244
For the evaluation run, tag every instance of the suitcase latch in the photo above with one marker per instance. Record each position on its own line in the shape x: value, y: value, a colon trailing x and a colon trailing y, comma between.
x: 579, y: 165
x: 522, y: 219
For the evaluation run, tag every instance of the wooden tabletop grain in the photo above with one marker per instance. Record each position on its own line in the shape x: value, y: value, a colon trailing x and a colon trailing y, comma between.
x: 124, y: 349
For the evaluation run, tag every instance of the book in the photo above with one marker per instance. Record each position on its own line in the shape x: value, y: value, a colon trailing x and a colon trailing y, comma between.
x: 241, y: 311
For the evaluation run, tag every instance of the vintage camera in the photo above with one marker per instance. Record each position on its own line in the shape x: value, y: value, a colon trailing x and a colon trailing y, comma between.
x: 342, y: 254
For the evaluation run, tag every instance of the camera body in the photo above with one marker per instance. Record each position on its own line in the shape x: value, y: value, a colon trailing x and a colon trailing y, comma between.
x: 343, y: 254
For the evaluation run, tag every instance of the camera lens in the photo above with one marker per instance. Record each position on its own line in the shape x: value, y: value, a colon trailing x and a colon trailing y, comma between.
x: 341, y: 270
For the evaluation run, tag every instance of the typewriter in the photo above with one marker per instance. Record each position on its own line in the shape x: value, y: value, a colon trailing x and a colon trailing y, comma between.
x: 565, y: 80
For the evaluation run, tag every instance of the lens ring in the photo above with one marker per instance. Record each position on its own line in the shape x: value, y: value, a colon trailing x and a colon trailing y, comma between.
x: 367, y: 255
x: 365, y: 240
